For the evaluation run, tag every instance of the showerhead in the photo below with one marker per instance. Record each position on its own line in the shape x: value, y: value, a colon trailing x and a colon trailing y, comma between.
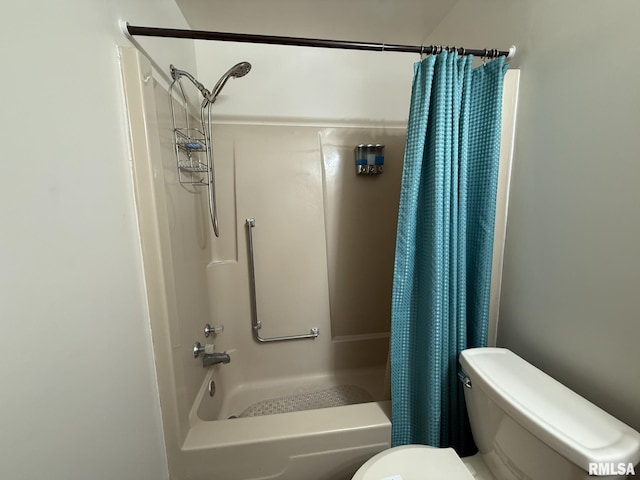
x: 240, y: 69
x: 237, y: 71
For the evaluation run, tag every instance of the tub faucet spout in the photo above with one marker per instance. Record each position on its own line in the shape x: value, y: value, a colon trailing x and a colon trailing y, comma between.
x: 210, y: 359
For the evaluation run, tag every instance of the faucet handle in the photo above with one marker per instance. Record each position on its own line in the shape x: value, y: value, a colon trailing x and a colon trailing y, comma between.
x: 208, y: 330
x: 198, y: 348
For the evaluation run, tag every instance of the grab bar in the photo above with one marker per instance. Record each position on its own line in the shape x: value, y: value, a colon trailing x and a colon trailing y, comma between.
x: 256, y: 325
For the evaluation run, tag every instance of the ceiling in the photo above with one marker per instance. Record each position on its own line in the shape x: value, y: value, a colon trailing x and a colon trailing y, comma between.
x: 384, y: 21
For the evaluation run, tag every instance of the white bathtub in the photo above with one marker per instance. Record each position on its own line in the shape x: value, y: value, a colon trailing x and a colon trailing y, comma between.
x: 321, y: 444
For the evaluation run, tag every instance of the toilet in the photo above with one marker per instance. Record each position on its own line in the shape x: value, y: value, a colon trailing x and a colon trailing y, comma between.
x: 526, y: 426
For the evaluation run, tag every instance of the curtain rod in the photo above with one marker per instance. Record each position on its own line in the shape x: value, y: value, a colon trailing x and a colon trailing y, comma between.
x: 131, y: 30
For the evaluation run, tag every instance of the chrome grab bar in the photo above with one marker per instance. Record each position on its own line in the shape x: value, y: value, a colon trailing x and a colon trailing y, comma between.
x: 256, y: 325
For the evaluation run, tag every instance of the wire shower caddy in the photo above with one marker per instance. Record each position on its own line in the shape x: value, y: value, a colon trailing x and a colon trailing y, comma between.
x: 193, y: 148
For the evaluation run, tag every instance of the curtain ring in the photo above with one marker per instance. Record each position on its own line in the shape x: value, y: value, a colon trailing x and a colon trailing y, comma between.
x: 421, y: 51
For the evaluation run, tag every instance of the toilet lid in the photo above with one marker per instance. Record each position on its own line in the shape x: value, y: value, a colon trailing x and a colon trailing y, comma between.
x: 414, y: 462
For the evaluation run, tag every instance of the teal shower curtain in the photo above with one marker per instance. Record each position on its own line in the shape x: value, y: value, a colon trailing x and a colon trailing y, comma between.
x: 444, y: 245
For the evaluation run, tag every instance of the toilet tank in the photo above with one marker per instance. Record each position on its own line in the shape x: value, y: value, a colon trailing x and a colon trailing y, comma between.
x: 528, y: 425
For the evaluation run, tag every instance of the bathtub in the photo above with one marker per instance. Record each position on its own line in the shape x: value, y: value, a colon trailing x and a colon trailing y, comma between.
x: 317, y: 444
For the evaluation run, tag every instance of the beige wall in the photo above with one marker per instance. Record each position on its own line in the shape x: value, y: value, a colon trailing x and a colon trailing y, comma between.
x: 78, y: 396
x: 361, y: 215
x: 570, y: 300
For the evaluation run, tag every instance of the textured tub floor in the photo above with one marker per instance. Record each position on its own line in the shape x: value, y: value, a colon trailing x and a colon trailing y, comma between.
x: 331, y: 397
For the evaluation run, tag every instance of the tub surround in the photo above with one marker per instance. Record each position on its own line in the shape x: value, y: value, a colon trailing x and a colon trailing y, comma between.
x: 322, y: 234
x: 276, y: 174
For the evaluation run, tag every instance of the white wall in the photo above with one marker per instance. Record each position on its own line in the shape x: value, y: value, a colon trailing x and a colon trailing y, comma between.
x: 78, y: 395
x: 400, y: 21
x: 570, y: 300
x: 302, y: 84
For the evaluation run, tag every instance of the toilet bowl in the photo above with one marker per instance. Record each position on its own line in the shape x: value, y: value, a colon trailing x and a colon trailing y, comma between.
x: 416, y: 462
x: 526, y: 426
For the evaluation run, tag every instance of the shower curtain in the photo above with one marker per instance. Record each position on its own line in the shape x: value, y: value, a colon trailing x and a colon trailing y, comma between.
x: 444, y: 245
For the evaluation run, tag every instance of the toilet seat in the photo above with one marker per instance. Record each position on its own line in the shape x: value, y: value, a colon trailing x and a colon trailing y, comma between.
x: 414, y: 462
